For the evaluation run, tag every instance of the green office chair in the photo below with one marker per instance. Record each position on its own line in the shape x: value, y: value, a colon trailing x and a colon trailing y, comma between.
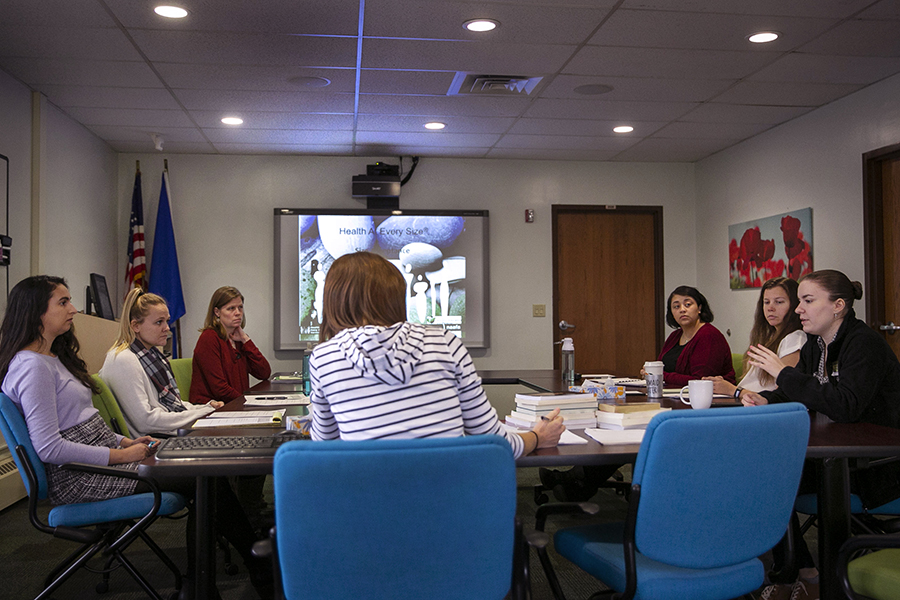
x: 109, y: 408
x: 183, y: 370
x: 875, y: 575
x: 737, y: 361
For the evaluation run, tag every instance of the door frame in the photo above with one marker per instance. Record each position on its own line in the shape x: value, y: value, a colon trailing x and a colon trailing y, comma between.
x: 873, y: 231
x: 659, y: 272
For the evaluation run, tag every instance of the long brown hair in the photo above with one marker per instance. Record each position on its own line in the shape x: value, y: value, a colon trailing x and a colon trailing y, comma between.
x: 136, y: 308
x: 220, y: 298
x: 27, y: 303
x: 767, y: 335
x: 361, y: 289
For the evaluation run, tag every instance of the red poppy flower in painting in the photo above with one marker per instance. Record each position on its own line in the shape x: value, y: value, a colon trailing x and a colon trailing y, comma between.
x: 796, y: 248
x: 755, y: 259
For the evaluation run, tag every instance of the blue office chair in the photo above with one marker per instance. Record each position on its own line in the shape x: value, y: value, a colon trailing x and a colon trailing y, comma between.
x: 712, y: 490
x: 108, y: 526
x: 429, y: 518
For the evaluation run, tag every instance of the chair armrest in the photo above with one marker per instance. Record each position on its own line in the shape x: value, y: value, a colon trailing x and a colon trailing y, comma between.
x: 854, y: 545
x: 103, y: 470
x: 562, y: 508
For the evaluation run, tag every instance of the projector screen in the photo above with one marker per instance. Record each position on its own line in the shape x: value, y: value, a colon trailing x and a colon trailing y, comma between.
x: 443, y: 255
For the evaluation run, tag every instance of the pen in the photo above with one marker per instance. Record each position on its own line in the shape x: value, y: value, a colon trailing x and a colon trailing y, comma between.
x: 543, y: 418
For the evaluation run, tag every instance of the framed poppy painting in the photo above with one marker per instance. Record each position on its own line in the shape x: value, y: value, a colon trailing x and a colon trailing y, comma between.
x: 777, y: 246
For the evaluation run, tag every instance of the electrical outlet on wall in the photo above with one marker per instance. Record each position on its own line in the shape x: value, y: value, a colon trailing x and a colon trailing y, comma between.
x: 538, y: 310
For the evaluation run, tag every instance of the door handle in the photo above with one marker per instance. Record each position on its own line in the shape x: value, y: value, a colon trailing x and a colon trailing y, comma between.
x: 564, y: 326
x: 890, y: 328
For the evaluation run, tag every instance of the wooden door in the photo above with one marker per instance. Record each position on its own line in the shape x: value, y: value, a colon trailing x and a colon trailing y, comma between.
x: 607, y: 281
x: 882, y: 240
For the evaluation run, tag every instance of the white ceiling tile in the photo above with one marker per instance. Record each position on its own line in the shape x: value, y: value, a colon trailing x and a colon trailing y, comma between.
x: 637, y: 88
x: 335, y: 17
x: 786, y: 93
x: 246, y: 48
x: 382, y: 150
x: 106, y: 73
x: 551, y: 154
x: 368, y: 122
x: 671, y: 150
x: 885, y: 9
x: 709, y: 31
x: 566, y: 142
x: 275, y: 120
x: 721, y: 131
x: 66, y: 96
x: 243, y: 135
x: 125, y: 117
x: 438, y: 106
x: 609, y: 111
x: 486, y: 57
x: 667, y: 63
x: 811, y: 68
x: 712, y: 112
x: 173, y: 148
x: 305, y: 148
x: 581, y: 127
x: 237, y: 101
x: 858, y: 38
x: 519, y: 22
x: 142, y: 134
x: 797, y: 8
x: 429, y: 139
x: 385, y: 81
x: 29, y: 41
x: 81, y: 14
x: 255, y: 78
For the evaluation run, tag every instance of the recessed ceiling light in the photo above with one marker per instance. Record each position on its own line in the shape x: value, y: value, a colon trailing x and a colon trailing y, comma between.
x: 623, y: 129
x: 232, y: 120
x: 435, y: 125
x: 313, y: 82
x: 763, y: 37
x: 593, y: 89
x: 481, y: 25
x: 171, y: 12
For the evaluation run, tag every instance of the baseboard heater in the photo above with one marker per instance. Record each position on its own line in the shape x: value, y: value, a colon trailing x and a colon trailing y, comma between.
x: 11, y: 487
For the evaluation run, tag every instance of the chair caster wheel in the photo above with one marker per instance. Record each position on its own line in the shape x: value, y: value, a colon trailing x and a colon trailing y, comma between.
x: 102, y: 587
x: 174, y: 596
x: 231, y: 569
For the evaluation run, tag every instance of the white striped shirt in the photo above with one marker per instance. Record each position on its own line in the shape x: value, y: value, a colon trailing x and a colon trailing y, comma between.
x: 404, y: 381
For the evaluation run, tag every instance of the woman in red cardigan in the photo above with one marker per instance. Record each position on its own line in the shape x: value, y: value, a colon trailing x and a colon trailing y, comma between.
x: 225, y: 357
x: 695, y: 349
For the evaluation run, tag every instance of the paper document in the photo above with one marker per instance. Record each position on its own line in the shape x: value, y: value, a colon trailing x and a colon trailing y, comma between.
x: 276, y: 400
x: 611, y: 437
x: 241, y: 419
x: 568, y: 438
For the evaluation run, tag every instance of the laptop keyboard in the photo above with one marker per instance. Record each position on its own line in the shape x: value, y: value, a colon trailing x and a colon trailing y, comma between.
x: 222, y: 446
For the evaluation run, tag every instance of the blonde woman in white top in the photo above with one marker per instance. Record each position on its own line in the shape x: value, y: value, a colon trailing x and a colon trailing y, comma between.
x: 775, y: 326
x: 140, y: 376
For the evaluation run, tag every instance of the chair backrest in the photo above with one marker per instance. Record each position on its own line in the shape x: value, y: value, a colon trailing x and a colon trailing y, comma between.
x: 429, y: 518
x: 718, y: 486
x: 183, y: 369
x: 109, y: 408
x: 14, y: 429
x: 737, y: 361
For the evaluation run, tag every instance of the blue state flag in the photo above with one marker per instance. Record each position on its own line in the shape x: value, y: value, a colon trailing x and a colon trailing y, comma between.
x: 165, y: 276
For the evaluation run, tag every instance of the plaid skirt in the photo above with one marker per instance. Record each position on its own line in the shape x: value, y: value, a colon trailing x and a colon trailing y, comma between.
x: 71, y: 487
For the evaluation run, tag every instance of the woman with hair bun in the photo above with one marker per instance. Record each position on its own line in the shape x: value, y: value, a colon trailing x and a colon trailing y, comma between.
x: 846, y: 370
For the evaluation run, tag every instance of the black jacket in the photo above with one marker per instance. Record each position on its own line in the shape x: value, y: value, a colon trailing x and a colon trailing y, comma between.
x: 863, y: 377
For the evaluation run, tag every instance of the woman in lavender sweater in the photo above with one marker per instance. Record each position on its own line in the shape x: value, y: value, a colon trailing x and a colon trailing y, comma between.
x: 42, y: 373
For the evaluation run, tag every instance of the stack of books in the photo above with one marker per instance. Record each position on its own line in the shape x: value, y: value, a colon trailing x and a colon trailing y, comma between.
x: 635, y: 415
x: 577, y: 410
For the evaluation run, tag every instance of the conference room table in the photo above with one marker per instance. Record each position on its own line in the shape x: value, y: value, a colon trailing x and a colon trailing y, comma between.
x: 832, y: 446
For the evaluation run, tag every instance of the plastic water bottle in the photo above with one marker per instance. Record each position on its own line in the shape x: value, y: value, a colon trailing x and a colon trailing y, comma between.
x: 567, y: 364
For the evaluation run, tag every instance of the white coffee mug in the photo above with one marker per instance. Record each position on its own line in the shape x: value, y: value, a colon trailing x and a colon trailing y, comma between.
x: 700, y: 391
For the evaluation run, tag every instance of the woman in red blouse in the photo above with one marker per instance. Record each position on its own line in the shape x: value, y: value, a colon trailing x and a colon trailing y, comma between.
x: 225, y: 357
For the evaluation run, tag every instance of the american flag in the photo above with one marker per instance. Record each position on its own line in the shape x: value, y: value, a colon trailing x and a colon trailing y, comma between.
x: 136, y: 275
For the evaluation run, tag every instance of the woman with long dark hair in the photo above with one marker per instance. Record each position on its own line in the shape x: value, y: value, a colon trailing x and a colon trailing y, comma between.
x: 777, y: 327
x: 44, y: 376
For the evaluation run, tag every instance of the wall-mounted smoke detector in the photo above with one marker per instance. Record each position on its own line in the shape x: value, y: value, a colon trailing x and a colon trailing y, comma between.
x: 478, y: 84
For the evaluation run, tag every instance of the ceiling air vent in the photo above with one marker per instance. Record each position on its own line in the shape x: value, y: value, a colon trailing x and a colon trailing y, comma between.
x: 466, y: 84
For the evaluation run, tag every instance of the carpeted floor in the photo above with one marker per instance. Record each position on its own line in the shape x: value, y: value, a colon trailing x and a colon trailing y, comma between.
x: 26, y: 556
